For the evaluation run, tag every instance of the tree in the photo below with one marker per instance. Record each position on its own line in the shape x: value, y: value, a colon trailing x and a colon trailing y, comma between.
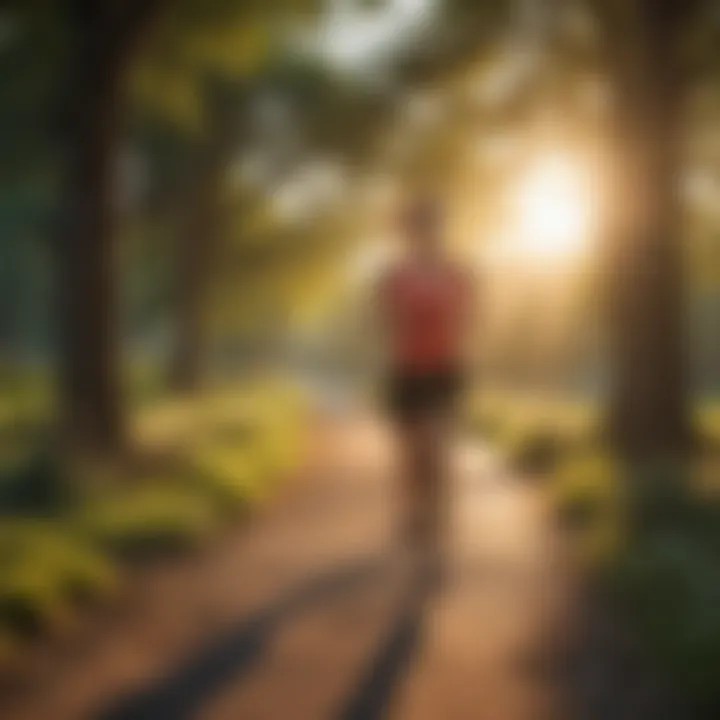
x: 642, y: 54
x: 201, y: 235
x: 101, y: 37
x: 649, y: 411
x: 216, y: 78
x: 27, y: 180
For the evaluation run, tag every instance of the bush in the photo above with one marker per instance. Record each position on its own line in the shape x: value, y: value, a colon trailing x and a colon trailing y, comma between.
x: 278, y: 451
x: 585, y: 487
x: 36, y: 487
x: 664, y: 572
x: 587, y: 494
x: 45, y: 574
x: 535, y: 450
x: 232, y: 477
x: 49, y: 567
x: 146, y: 522
x: 708, y: 426
x: 534, y: 433
x: 670, y: 585
x: 668, y: 498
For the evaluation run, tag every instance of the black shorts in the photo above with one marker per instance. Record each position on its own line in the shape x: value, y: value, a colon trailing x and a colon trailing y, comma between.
x: 410, y: 396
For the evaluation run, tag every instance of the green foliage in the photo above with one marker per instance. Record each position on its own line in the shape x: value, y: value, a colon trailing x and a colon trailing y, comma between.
x: 45, y: 572
x: 232, y: 477
x: 50, y: 569
x: 25, y: 393
x: 585, y: 486
x: 588, y: 495
x: 670, y: 585
x: 251, y: 444
x: 656, y: 543
x: 146, y: 383
x: 708, y: 422
x: 36, y: 486
x: 146, y: 522
x: 534, y: 434
x: 535, y: 450
x: 197, y: 42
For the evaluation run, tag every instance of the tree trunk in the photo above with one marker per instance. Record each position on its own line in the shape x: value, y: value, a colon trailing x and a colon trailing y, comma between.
x: 89, y: 380
x: 91, y: 412
x: 648, y: 415
x: 200, y: 245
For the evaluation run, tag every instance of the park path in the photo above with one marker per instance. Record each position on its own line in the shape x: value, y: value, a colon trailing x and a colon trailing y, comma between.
x: 302, y: 615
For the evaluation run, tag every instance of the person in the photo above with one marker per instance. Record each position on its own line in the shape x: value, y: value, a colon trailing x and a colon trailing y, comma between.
x: 426, y: 300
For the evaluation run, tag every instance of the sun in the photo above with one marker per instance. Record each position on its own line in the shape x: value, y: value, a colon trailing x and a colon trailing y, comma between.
x: 552, y: 210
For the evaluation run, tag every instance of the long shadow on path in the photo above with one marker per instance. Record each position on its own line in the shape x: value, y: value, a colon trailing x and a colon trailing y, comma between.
x: 225, y: 659
x: 386, y: 669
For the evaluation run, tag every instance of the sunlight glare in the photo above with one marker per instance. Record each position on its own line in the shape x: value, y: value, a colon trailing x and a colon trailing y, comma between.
x: 552, y: 210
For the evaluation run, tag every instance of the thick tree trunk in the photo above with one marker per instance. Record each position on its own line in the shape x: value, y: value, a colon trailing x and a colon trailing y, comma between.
x: 102, y: 33
x: 89, y: 380
x: 648, y: 415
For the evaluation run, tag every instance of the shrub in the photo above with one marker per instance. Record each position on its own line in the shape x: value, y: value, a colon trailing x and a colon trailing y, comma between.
x: 588, y: 496
x: 534, y: 433
x: 586, y: 486
x: 535, y: 450
x: 708, y: 426
x: 149, y: 521
x: 49, y: 567
x: 31, y: 601
x: 45, y: 573
x: 668, y: 498
x: 670, y: 585
x: 37, y: 486
x: 665, y: 576
x: 232, y: 477
x: 278, y: 450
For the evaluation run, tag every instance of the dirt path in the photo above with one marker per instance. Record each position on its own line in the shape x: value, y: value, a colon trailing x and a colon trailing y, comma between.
x: 302, y: 615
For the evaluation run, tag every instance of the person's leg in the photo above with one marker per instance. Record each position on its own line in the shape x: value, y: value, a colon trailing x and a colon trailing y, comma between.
x: 437, y: 443
x: 435, y: 460
x: 411, y: 471
x: 422, y: 440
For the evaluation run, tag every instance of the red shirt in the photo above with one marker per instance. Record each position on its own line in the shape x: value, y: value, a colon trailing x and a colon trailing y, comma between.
x: 426, y: 308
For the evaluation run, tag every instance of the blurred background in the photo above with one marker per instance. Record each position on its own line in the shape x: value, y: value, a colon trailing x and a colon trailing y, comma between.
x: 195, y: 199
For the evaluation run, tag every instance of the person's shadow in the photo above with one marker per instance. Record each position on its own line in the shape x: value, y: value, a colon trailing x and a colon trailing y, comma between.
x: 389, y: 665
x: 227, y: 659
